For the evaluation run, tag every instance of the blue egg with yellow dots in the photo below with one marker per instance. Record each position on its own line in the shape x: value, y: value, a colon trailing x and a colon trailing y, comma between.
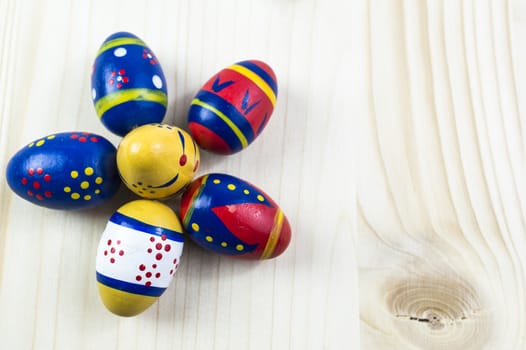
x: 69, y: 170
x: 128, y: 86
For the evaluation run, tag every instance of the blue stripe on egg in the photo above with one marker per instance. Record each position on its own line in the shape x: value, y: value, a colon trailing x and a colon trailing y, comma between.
x: 262, y: 74
x: 129, y: 287
x: 126, y: 221
x: 210, y: 119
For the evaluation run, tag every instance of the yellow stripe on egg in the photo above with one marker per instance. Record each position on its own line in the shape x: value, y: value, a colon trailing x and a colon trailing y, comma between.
x: 225, y: 118
x: 119, y: 42
x: 256, y: 79
x: 273, y: 236
x: 195, y: 195
x: 116, y: 98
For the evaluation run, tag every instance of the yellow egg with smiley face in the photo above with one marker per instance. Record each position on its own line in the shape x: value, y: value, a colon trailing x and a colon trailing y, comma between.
x: 157, y: 160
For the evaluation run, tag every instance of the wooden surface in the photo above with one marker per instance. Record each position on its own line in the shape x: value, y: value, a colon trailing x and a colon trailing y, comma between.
x: 305, y: 299
x: 442, y: 176
x: 397, y: 151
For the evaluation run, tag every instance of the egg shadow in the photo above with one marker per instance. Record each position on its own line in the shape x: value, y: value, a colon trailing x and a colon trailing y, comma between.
x: 198, y: 271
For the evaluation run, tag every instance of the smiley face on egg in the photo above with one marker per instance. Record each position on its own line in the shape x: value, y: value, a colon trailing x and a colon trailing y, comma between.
x: 157, y: 160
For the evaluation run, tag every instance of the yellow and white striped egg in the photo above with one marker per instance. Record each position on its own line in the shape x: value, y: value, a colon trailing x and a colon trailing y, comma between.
x: 137, y: 256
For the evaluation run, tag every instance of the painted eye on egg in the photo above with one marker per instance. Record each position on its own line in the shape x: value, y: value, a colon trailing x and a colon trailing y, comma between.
x: 182, y: 160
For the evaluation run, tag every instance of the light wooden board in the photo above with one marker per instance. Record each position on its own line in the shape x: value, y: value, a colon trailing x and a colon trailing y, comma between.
x: 397, y: 151
x: 442, y: 175
x: 305, y: 299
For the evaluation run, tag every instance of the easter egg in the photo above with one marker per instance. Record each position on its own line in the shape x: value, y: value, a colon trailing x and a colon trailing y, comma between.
x: 229, y: 216
x: 233, y: 107
x: 157, y: 160
x: 128, y: 87
x: 69, y: 170
x: 137, y: 256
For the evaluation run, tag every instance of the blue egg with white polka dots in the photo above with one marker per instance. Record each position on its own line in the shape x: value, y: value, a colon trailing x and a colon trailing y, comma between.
x: 128, y: 87
x: 68, y: 170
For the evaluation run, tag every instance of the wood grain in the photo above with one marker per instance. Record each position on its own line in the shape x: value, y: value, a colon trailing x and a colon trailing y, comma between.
x: 441, y: 180
x: 305, y: 299
x: 396, y: 150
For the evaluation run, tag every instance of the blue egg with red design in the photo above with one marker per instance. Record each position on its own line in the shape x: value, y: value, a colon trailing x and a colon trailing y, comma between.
x: 128, y: 87
x: 229, y: 216
x: 233, y: 107
x: 69, y: 170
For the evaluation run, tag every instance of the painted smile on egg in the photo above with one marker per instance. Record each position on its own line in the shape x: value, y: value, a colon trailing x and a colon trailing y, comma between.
x: 167, y: 184
x: 151, y: 188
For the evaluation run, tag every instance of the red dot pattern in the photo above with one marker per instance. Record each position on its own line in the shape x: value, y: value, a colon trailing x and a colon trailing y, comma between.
x: 148, y: 55
x: 84, y: 137
x: 118, y: 78
x: 154, y: 269
x: 36, y: 184
x: 112, y: 252
x: 158, y: 244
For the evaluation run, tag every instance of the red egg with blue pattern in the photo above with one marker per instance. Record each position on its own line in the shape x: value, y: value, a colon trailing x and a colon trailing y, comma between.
x: 231, y: 110
x: 69, y: 170
x: 230, y: 216
x: 128, y: 86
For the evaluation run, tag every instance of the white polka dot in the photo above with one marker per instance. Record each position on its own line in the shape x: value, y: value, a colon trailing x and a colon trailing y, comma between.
x: 120, y: 52
x: 93, y: 93
x: 156, y: 80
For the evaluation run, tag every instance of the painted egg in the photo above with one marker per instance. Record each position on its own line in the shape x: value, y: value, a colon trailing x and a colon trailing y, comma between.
x: 69, y: 170
x: 233, y: 107
x: 157, y: 160
x: 127, y: 84
x: 230, y: 216
x: 137, y: 256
